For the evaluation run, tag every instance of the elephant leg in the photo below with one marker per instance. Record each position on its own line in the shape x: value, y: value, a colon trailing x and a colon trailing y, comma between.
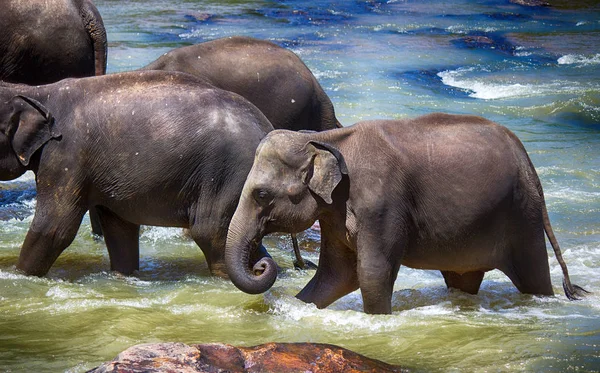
x: 526, y: 262
x: 335, y: 276
x: 299, y: 262
x: 212, y: 245
x: 529, y: 272
x: 122, y: 241
x: 95, y: 222
x: 52, y: 230
x: 468, y: 282
x: 377, y: 271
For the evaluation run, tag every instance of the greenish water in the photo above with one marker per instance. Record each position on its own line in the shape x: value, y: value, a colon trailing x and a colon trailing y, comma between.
x: 376, y: 59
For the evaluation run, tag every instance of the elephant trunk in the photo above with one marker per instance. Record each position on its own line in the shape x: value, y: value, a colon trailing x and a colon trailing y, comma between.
x: 241, y: 243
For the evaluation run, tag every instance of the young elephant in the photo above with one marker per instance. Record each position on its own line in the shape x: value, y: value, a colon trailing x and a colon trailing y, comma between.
x: 153, y: 148
x: 454, y: 193
x: 271, y: 77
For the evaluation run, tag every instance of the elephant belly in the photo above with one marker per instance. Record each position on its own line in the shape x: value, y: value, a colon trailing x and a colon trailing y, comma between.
x: 155, y: 213
x: 480, y: 250
x: 463, y: 234
x: 455, y: 260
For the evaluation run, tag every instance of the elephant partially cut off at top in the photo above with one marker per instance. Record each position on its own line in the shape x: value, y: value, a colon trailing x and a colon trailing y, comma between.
x: 44, y: 41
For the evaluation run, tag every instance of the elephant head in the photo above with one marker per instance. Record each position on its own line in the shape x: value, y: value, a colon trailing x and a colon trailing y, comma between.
x: 292, y: 179
x: 25, y: 126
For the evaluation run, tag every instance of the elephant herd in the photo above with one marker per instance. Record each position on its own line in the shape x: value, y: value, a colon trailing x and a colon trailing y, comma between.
x: 235, y: 139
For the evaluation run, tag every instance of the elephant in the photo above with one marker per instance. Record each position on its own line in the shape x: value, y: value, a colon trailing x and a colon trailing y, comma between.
x: 142, y: 148
x: 453, y: 193
x: 271, y: 77
x: 44, y: 41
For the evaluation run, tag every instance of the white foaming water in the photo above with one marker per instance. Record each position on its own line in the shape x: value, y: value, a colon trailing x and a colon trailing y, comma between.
x: 70, y: 305
x: 290, y: 309
x: 159, y: 234
x: 569, y: 194
x: 576, y: 59
x: 486, y: 90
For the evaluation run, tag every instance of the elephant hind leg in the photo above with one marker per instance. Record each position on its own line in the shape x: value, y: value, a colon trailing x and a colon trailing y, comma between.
x: 122, y: 241
x: 530, y: 276
x: 526, y: 260
x: 95, y: 222
x: 528, y: 269
x: 468, y: 282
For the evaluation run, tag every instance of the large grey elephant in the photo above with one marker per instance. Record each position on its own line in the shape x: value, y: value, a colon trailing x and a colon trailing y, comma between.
x: 152, y: 148
x: 452, y: 193
x: 271, y: 77
x: 43, y: 41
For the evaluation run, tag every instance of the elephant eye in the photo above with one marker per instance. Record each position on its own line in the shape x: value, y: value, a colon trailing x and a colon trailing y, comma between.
x: 263, y: 196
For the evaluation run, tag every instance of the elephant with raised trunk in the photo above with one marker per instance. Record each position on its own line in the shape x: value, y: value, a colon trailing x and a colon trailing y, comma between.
x: 44, y: 41
x: 271, y: 77
x: 142, y: 148
x: 452, y: 193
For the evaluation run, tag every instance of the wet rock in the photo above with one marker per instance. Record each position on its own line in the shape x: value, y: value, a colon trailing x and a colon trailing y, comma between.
x: 478, y: 40
x: 199, y: 17
x: 270, y: 357
x: 530, y: 2
x: 491, y: 42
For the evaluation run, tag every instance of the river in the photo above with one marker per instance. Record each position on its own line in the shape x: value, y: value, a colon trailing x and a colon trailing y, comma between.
x: 534, y: 70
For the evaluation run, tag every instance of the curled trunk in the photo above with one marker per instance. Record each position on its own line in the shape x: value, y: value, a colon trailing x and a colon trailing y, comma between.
x: 241, y: 243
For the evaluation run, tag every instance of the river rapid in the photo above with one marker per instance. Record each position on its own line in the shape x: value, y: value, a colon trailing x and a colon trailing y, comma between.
x: 534, y: 70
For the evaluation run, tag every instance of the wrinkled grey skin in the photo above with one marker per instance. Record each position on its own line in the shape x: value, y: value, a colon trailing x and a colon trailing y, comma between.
x: 454, y: 193
x: 271, y: 77
x: 44, y: 41
x: 152, y: 148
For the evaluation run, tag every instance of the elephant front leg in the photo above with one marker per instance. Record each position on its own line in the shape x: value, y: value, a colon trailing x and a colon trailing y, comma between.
x: 211, y: 240
x: 122, y: 241
x: 52, y: 230
x: 335, y: 276
x: 378, y: 267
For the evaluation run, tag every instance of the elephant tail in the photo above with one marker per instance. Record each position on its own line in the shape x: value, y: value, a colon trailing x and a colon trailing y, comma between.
x: 95, y: 27
x: 573, y: 292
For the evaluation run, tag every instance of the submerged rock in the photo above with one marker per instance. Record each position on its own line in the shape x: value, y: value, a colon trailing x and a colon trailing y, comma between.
x: 488, y: 41
x: 270, y: 357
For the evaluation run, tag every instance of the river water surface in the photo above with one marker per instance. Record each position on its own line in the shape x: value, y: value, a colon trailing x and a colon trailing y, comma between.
x: 535, y: 70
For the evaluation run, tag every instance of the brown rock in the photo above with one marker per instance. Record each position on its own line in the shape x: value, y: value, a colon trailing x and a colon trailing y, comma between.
x: 270, y: 357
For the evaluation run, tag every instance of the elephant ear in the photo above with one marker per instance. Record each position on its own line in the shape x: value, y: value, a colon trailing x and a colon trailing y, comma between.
x: 328, y: 167
x: 31, y: 126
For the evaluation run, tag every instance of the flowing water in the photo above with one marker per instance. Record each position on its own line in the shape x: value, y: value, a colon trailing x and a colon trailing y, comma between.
x: 535, y: 70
